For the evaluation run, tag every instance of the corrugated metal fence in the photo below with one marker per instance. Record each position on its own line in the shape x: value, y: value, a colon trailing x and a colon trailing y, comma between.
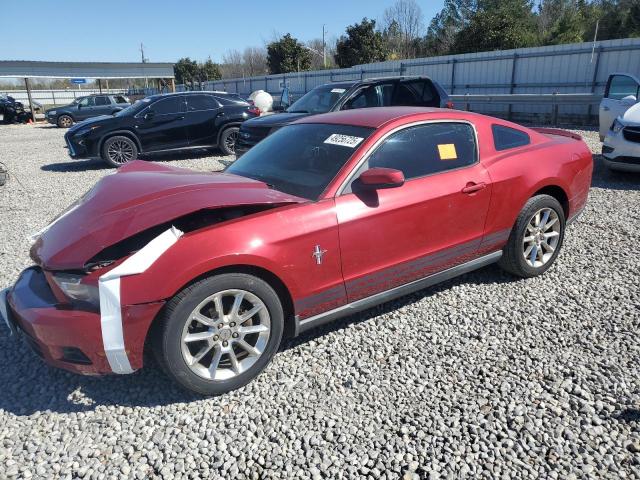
x: 571, y: 68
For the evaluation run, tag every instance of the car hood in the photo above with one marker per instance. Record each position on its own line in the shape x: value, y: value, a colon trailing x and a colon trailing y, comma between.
x: 90, y: 121
x: 632, y: 115
x: 141, y: 195
x: 275, y: 120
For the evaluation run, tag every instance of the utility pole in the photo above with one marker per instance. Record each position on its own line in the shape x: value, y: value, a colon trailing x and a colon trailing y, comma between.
x: 324, y: 47
x: 142, y: 57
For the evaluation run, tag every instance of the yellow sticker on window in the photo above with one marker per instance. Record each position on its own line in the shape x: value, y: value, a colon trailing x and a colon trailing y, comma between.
x: 447, y: 151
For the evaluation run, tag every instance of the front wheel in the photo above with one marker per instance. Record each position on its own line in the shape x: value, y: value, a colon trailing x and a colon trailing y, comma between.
x: 228, y: 140
x: 119, y: 150
x: 219, y: 333
x: 65, y: 121
x: 536, y: 238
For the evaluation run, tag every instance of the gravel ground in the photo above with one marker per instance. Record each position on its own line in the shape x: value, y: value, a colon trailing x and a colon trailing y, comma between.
x: 485, y: 376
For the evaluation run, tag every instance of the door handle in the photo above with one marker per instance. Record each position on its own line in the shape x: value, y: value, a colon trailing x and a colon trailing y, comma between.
x: 180, y: 117
x: 473, y: 187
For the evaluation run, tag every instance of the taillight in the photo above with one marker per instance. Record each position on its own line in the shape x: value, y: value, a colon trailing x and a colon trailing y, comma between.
x: 449, y: 104
x: 254, y: 110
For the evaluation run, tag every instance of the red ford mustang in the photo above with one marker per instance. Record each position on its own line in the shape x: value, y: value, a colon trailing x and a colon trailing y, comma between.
x: 327, y: 216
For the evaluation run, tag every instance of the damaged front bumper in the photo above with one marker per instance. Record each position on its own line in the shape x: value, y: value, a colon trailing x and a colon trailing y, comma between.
x: 66, y: 337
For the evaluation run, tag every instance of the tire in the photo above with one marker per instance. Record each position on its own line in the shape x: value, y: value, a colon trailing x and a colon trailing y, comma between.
x: 189, y: 362
x: 119, y: 150
x: 228, y: 140
x: 542, y: 246
x: 64, y: 121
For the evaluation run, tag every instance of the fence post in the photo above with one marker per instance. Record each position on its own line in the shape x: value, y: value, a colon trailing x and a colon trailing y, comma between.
x: 555, y: 110
x: 266, y: 83
x: 401, y: 68
x: 512, y: 84
x: 453, y: 75
x: 53, y: 97
x: 594, y: 80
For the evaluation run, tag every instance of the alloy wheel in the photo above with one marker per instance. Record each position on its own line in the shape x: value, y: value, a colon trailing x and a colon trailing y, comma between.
x: 120, y: 152
x: 65, y: 121
x: 541, y: 237
x: 230, y: 141
x: 226, y: 334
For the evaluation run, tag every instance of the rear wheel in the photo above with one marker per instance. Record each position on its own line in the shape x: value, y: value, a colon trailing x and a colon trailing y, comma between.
x: 65, y: 121
x: 536, y: 237
x: 219, y: 333
x: 119, y: 150
x: 228, y: 140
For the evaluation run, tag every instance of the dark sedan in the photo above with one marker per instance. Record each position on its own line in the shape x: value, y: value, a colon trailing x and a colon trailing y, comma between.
x: 332, y: 97
x: 174, y: 121
x: 83, y: 108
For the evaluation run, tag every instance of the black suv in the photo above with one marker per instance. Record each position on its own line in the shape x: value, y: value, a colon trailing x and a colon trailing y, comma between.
x: 331, y: 97
x: 86, y: 107
x: 173, y: 121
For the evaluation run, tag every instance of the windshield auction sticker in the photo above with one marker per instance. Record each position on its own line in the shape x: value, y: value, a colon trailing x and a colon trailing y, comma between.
x: 338, y: 90
x: 343, y: 140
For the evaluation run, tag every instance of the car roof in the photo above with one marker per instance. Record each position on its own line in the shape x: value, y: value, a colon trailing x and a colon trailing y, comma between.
x: 368, y: 81
x: 377, y: 116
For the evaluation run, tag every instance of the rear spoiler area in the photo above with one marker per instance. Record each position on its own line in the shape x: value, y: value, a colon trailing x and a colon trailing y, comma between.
x: 557, y: 131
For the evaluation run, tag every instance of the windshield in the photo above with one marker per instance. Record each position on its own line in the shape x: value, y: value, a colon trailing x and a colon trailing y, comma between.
x: 135, y: 108
x: 301, y: 159
x: 318, y: 100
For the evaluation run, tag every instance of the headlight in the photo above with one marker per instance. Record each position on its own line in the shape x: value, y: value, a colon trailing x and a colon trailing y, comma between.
x: 51, y: 112
x: 617, y: 126
x: 72, y: 286
x: 85, y: 130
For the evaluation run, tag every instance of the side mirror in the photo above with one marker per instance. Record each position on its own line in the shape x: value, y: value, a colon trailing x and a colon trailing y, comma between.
x: 629, y: 100
x: 378, y: 177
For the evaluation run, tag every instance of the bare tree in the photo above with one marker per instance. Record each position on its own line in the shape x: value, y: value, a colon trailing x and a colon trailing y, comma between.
x: 254, y: 60
x: 403, y: 24
x: 232, y: 66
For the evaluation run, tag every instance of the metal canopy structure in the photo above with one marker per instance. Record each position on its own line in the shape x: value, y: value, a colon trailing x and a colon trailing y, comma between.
x: 103, y: 70
x: 98, y: 70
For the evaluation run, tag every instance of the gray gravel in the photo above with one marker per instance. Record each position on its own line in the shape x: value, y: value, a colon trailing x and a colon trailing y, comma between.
x: 485, y: 376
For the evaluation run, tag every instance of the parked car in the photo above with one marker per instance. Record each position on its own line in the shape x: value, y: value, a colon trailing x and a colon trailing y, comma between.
x: 330, y: 215
x: 621, y: 147
x: 332, y: 97
x: 172, y: 121
x: 83, y: 108
x: 621, y: 92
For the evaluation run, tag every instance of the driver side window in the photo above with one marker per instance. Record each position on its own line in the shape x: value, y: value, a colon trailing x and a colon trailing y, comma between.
x: 364, y: 98
x: 87, y: 102
x: 424, y: 150
x: 622, y: 86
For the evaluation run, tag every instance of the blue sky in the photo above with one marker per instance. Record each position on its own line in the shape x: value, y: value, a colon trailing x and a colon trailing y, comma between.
x: 74, y: 30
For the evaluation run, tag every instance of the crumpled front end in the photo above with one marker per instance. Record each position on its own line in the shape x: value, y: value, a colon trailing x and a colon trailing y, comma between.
x: 65, y: 336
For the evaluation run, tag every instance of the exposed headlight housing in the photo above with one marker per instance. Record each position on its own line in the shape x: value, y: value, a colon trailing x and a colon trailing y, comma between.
x: 72, y: 286
x: 617, y: 126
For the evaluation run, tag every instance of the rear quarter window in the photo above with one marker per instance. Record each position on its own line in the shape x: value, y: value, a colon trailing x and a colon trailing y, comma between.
x: 505, y: 138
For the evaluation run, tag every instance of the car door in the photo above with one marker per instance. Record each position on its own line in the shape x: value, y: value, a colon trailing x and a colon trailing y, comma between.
x: 390, y: 237
x: 102, y: 105
x: 620, y: 93
x: 162, y: 125
x: 85, y: 108
x: 202, y: 111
